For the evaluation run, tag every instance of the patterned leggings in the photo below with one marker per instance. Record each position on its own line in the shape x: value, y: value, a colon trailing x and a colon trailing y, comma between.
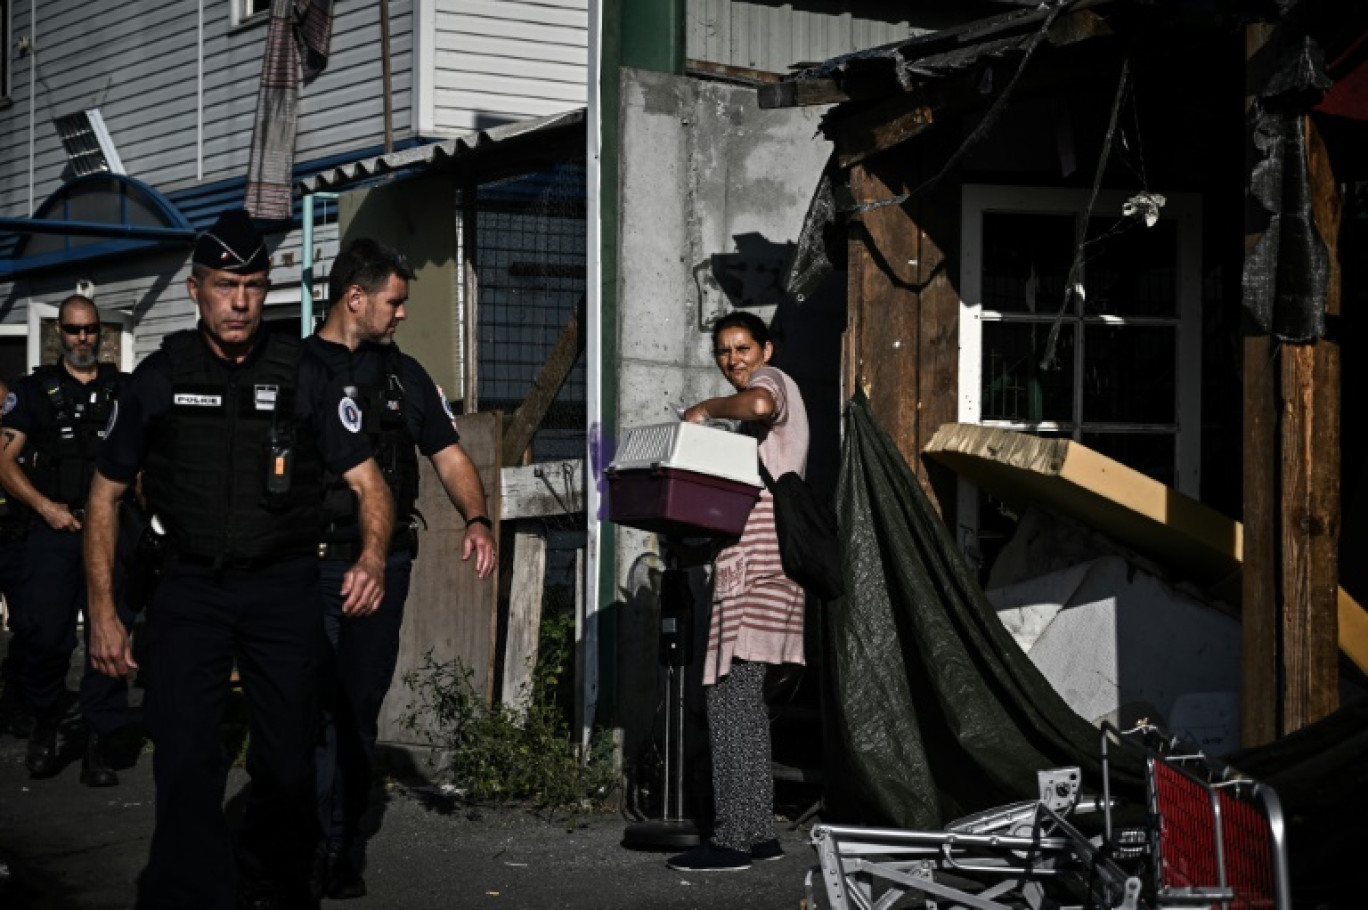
x: 743, y: 783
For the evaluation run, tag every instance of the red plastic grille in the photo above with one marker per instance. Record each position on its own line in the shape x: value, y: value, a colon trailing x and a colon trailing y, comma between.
x: 1187, y: 830
x: 1187, y: 840
x: 1248, y: 852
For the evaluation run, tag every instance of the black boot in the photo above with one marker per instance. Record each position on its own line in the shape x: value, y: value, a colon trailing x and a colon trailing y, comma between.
x: 345, y: 880
x: 41, y: 758
x: 15, y: 714
x: 95, y: 770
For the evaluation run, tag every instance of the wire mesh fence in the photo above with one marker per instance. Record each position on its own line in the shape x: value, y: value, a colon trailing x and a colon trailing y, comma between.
x: 530, y: 264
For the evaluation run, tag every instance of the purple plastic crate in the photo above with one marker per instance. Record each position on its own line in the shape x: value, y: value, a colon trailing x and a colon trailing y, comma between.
x: 682, y: 503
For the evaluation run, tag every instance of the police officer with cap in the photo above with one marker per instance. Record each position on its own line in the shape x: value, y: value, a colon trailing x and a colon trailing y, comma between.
x: 55, y: 424
x: 404, y: 413
x: 234, y: 430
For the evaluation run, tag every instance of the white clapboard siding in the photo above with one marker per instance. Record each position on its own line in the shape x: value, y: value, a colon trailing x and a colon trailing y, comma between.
x: 138, y: 63
x: 488, y: 62
x: 498, y: 61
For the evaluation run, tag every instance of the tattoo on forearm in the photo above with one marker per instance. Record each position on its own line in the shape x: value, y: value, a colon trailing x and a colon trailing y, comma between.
x: 6, y: 437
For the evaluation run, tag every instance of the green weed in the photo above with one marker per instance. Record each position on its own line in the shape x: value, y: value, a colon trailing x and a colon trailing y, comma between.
x: 500, y: 753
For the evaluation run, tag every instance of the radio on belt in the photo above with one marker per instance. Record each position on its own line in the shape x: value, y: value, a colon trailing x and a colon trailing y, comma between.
x: 684, y: 479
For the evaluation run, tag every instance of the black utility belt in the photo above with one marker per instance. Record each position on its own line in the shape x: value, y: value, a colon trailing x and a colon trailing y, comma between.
x: 234, y: 563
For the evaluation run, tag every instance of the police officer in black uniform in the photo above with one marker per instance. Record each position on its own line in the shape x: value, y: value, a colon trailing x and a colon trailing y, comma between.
x: 403, y: 413
x: 234, y: 428
x: 15, y: 715
x: 55, y: 426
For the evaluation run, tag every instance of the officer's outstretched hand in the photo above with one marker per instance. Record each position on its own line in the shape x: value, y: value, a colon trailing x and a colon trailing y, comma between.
x: 111, y: 650
x: 363, y: 587
x: 480, y: 541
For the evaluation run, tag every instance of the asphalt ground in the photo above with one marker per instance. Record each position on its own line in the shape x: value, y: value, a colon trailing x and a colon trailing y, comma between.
x: 64, y: 846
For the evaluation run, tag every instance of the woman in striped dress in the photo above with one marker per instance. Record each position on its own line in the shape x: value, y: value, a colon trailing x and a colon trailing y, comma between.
x: 757, y: 611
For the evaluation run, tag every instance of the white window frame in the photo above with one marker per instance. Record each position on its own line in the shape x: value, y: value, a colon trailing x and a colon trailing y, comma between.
x: 243, y: 15
x: 1182, y: 208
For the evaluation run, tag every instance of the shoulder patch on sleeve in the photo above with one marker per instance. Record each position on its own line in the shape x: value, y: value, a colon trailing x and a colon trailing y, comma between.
x: 446, y: 405
x: 10, y: 401
x: 350, y: 415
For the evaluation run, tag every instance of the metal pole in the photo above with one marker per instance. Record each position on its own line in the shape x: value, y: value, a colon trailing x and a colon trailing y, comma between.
x: 470, y: 239
x: 306, y: 264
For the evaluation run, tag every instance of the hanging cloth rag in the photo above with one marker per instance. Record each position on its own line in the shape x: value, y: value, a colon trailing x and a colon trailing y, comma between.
x: 296, y: 48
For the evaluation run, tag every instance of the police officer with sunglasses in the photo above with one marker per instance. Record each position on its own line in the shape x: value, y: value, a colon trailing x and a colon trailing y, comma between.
x: 55, y: 421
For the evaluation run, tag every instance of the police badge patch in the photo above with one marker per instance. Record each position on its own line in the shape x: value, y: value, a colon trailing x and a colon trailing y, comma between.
x: 446, y: 405
x: 10, y: 401
x: 265, y: 397
x: 349, y: 414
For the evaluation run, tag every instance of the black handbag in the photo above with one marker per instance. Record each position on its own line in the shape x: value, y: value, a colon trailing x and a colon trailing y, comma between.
x: 809, y: 547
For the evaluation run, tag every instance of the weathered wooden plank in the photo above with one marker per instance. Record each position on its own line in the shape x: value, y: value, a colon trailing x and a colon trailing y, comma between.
x: 906, y: 305
x: 735, y: 73
x: 884, y: 301
x: 860, y: 136
x: 559, y: 363
x: 800, y: 94
x: 543, y: 489
x: 1310, y: 530
x: 524, y: 614
x: 1259, y: 587
x: 450, y: 613
x: 936, y: 214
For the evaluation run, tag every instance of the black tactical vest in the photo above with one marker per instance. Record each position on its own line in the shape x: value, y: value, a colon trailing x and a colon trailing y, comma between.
x: 381, y: 400
x: 211, y: 457
x: 69, y: 423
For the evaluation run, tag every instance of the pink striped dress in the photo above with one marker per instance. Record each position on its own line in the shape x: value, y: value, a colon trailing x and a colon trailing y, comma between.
x: 757, y: 611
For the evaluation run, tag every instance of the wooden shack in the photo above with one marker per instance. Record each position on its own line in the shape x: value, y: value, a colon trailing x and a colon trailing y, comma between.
x: 1128, y: 225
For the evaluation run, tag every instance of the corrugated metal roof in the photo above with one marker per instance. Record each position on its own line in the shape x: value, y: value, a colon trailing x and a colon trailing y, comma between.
x: 425, y: 156
x: 202, y: 203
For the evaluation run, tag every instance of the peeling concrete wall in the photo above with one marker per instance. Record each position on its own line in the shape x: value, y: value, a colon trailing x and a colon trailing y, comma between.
x: 713, y: 194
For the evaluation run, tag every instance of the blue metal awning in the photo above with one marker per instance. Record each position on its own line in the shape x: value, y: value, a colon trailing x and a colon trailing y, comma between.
x: 92, y: 218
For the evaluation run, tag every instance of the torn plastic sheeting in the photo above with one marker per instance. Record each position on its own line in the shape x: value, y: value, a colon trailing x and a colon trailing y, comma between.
x: 812, y: 260
x: 1287, y: 271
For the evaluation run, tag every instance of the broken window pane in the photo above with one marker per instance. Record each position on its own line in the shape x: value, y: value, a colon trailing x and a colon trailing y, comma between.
x: 1017, y: 247
x: 1015, y: 387
x: 1132, y: 272
x: 1130, y: 374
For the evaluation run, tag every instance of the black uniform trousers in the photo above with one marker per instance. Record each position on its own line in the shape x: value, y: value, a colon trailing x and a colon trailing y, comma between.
x: 49, y: 601
x: 12, y: 571
x: 362, y: 654
x: 202, y: 619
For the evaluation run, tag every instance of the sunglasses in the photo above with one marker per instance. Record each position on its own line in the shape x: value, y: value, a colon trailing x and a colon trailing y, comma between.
x: 72, y: 328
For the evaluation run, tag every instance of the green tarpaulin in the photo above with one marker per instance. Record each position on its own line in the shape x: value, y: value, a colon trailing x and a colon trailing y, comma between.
x: 931, y: 710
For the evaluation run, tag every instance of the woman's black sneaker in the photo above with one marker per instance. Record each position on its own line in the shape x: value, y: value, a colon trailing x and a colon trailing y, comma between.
x: 766, y: 851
